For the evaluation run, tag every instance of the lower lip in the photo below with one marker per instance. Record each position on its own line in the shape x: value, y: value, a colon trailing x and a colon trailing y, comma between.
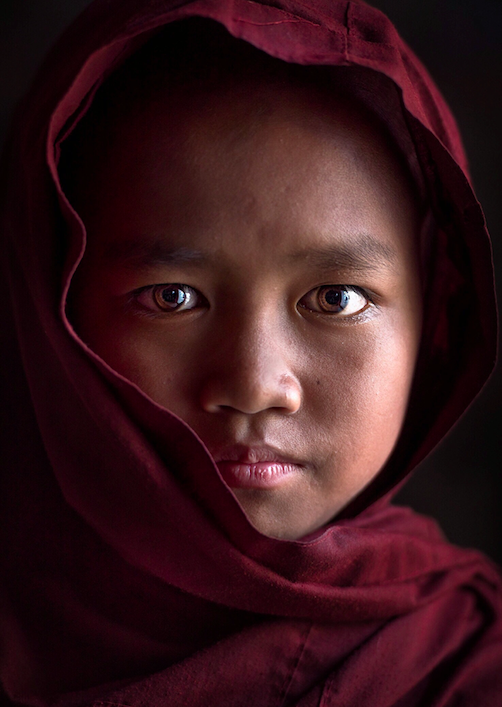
x: 260, y: 475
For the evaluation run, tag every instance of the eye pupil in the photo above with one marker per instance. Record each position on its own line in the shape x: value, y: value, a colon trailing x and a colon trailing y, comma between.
x: 170, y: 297
x: 331, y: 297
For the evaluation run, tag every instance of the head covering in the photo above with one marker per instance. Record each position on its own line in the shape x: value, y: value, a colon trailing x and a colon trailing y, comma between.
x: 131, y: 576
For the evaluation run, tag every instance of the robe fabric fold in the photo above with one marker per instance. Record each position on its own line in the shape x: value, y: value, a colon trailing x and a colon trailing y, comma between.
x: 130, y: 574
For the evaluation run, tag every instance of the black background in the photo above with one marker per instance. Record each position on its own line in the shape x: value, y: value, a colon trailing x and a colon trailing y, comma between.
x: 460, y: 41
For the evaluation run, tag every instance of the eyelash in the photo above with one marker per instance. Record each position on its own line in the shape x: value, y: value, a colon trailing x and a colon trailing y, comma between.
x: 323, y: 294
x: 154, y: 293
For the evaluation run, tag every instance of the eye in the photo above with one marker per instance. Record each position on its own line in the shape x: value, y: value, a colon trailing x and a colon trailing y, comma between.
x: 343, y: 300
x: 168, y: 298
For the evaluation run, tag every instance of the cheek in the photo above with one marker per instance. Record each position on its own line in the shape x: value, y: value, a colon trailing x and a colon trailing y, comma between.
x: 159, y: 362
x: 360, y: 400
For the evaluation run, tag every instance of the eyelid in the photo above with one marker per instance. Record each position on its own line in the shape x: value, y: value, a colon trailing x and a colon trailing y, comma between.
x: 341, y: 314
x: 147, y: 298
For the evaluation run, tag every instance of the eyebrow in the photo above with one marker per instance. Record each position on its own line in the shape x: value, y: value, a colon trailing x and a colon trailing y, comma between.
x: 365, y: 253
x: 150, y: 253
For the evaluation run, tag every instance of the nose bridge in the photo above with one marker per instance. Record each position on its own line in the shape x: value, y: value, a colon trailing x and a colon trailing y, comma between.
x: 252, y: 369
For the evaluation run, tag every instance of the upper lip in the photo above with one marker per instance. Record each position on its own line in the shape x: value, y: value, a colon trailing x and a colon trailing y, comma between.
x: 252, y: 454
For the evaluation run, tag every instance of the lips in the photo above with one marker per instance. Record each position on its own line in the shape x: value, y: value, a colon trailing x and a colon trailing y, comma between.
x: 255, y: 467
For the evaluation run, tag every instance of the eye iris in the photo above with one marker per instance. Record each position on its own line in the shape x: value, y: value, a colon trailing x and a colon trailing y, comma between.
x: 170, y: 297
x: 333, y: 299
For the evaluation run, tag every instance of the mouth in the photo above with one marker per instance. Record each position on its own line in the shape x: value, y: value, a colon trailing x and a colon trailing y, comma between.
x: 263, y: 467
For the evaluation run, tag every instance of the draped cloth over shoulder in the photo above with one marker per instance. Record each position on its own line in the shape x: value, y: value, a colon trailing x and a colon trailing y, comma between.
x: 131, y: 576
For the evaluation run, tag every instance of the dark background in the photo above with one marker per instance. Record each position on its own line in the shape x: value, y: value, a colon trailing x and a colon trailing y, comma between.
x: 460, y: 41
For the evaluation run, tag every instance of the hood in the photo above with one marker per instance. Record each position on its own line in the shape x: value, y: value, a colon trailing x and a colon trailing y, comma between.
x: 89, y: 490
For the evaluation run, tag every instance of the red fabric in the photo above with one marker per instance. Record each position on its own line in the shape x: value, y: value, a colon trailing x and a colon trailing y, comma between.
x: 124, y: 587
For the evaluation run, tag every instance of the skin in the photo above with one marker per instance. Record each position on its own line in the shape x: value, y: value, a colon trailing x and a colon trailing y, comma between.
x: 260, y: 193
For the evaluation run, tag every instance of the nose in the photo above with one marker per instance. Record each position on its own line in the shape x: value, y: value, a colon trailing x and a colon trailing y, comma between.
x: 251, y: 373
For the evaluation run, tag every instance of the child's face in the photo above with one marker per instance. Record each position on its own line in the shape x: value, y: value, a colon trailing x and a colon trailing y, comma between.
x: 255, y: 272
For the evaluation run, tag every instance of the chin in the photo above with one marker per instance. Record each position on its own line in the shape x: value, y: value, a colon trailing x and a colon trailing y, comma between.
x: 282, y: 519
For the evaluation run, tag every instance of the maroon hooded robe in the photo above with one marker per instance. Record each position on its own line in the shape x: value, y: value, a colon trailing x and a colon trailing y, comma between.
x: 120, y: 585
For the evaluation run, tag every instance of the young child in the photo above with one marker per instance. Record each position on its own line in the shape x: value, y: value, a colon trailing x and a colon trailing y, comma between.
x: 249, y: 289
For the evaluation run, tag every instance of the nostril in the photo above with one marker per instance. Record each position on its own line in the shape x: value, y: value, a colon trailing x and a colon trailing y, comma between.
x: 247, y: 395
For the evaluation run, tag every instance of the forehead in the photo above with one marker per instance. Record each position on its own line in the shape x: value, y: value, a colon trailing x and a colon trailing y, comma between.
x: 238, y: 150
x: 195, y: 69
x: 191, y: 159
